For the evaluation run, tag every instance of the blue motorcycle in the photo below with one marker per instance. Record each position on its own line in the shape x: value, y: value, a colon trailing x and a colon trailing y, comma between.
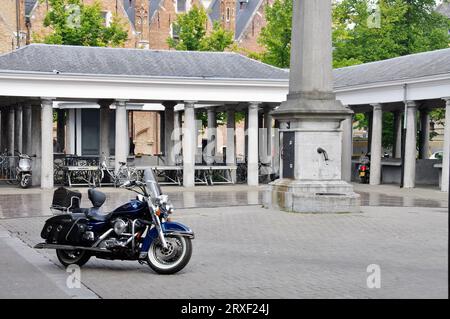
x: 138, y: 230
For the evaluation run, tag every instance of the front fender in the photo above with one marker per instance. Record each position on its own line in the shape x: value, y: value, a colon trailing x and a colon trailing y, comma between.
x: 169, y: 228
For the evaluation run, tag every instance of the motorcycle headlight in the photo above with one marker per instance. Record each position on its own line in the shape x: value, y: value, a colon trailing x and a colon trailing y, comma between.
x: 119, y: 226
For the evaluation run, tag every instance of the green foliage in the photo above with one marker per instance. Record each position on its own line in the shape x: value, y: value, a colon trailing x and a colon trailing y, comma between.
x: 406, y: 27
x: 74, y: 23
x: 219, y: 39
x: 276, y: 35
x: 191, y: 30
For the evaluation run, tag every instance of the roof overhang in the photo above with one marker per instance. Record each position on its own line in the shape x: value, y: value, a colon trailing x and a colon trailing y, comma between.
x: 133, y: 88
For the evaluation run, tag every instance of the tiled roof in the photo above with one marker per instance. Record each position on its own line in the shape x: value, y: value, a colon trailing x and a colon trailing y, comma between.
x: 137, y: 62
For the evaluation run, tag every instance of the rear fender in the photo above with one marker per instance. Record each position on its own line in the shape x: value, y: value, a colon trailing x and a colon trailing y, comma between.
x: 169, y: 228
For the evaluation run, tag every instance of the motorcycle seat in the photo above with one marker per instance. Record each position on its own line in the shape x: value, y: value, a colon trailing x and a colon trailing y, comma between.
x: 94, y: 213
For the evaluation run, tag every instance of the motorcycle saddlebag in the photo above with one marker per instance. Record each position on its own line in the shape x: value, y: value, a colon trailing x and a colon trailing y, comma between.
x: 64, y: 198
x: 64, y: 229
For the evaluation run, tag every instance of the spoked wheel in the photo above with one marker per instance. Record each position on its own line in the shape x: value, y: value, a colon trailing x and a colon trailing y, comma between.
x: 172, y: 259
x: 72, y: 257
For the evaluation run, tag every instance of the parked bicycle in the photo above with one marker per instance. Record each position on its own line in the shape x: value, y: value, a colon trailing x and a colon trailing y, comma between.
x: 123, y: 173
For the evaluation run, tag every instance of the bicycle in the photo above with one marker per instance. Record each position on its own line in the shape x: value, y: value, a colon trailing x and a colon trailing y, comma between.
x: 123, y: 174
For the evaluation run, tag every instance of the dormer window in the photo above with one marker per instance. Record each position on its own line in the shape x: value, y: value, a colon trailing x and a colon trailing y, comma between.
x: 181, y: 6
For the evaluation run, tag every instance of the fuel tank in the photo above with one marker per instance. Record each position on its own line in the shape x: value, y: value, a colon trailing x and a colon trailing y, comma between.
x: 133, y: 209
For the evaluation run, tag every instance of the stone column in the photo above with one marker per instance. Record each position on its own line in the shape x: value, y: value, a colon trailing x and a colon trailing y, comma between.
x: 424, y: 133
x: 169, y: 123
x: 268, y: 119
x: 445, y: 158
x: 36, y: 145
x: 18, y: 128
x: 177, y: 135
x: 10, y: 133
x: 189, y: 144
x: 122, y: 142
x: 211, y: 133
x: 27, y: 131
x: 397, y: 147
x: 47, y: 143
x: 409, y: 178
x: 231, y: 141
x: 276, y: 147
x: 375, y: 154
x: 252, y: 133
x: 314, y: 117
x: 60, y: 130
x: 105, y: 111
x: 347, y: 148
x: 70, y: 132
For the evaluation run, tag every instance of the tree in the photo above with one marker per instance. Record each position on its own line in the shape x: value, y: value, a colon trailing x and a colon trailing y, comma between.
x: 190, y: 28
x: 405, y: 27
x: 276, y: 35
x: 74, y: 23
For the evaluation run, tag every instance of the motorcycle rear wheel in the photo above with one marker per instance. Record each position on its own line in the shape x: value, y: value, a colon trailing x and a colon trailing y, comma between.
x: 173, y: 259
x: 72, y: 257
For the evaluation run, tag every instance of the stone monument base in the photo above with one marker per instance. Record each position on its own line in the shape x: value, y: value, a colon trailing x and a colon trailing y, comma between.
x: 311, y: 196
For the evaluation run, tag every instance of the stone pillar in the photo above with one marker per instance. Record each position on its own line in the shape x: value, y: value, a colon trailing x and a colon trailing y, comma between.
x: 122, y: 142
x: 268, y: 119
x: 36, y: 145
x: 27, y: 131
x: 189, y: 144
x: 409, y: 178
x: 18, y: 128
x: 397, y: 147
x: 445, y: 158
x: 47, y: 143
x: 70, y: 132
x: 105, y: 111
x: 347, y: 148
x: 231, y: 141
x: 369, y: 131
x: 177, y: 136
x: 424, y: 134
x: 252, y: 133
x: 276, y: 147
x: 60, y: 130
x: 211, y: 133
x: 246, y: 135
x: 314, y: 117
x: 169, y: 124
x: 376, y: 148
x: 10, y: 128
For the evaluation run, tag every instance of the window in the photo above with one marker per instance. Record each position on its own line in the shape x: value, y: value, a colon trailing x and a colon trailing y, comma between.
x: 228, y: 14
x: 174, y: 32
x: 181, y: 6
x: 107, y: 17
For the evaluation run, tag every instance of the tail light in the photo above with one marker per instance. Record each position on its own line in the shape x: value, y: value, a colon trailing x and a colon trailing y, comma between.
x: 363, y: 168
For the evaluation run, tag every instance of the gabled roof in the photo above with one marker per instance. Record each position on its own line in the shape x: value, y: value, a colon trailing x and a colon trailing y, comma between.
x: 243, y: 15
x: 136, y: 62
x: 444, y: 9
x: 407, y: 67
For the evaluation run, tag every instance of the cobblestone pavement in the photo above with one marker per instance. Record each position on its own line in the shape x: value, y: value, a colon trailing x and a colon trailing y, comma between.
x: 251, y: 252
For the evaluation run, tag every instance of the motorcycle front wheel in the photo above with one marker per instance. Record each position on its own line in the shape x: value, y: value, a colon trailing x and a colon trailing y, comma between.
x: 25, y: 181
x: 72, y: 257
x: 170, y: 260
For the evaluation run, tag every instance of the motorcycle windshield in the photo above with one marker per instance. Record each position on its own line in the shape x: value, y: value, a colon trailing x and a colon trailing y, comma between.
x: 152, y: 184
